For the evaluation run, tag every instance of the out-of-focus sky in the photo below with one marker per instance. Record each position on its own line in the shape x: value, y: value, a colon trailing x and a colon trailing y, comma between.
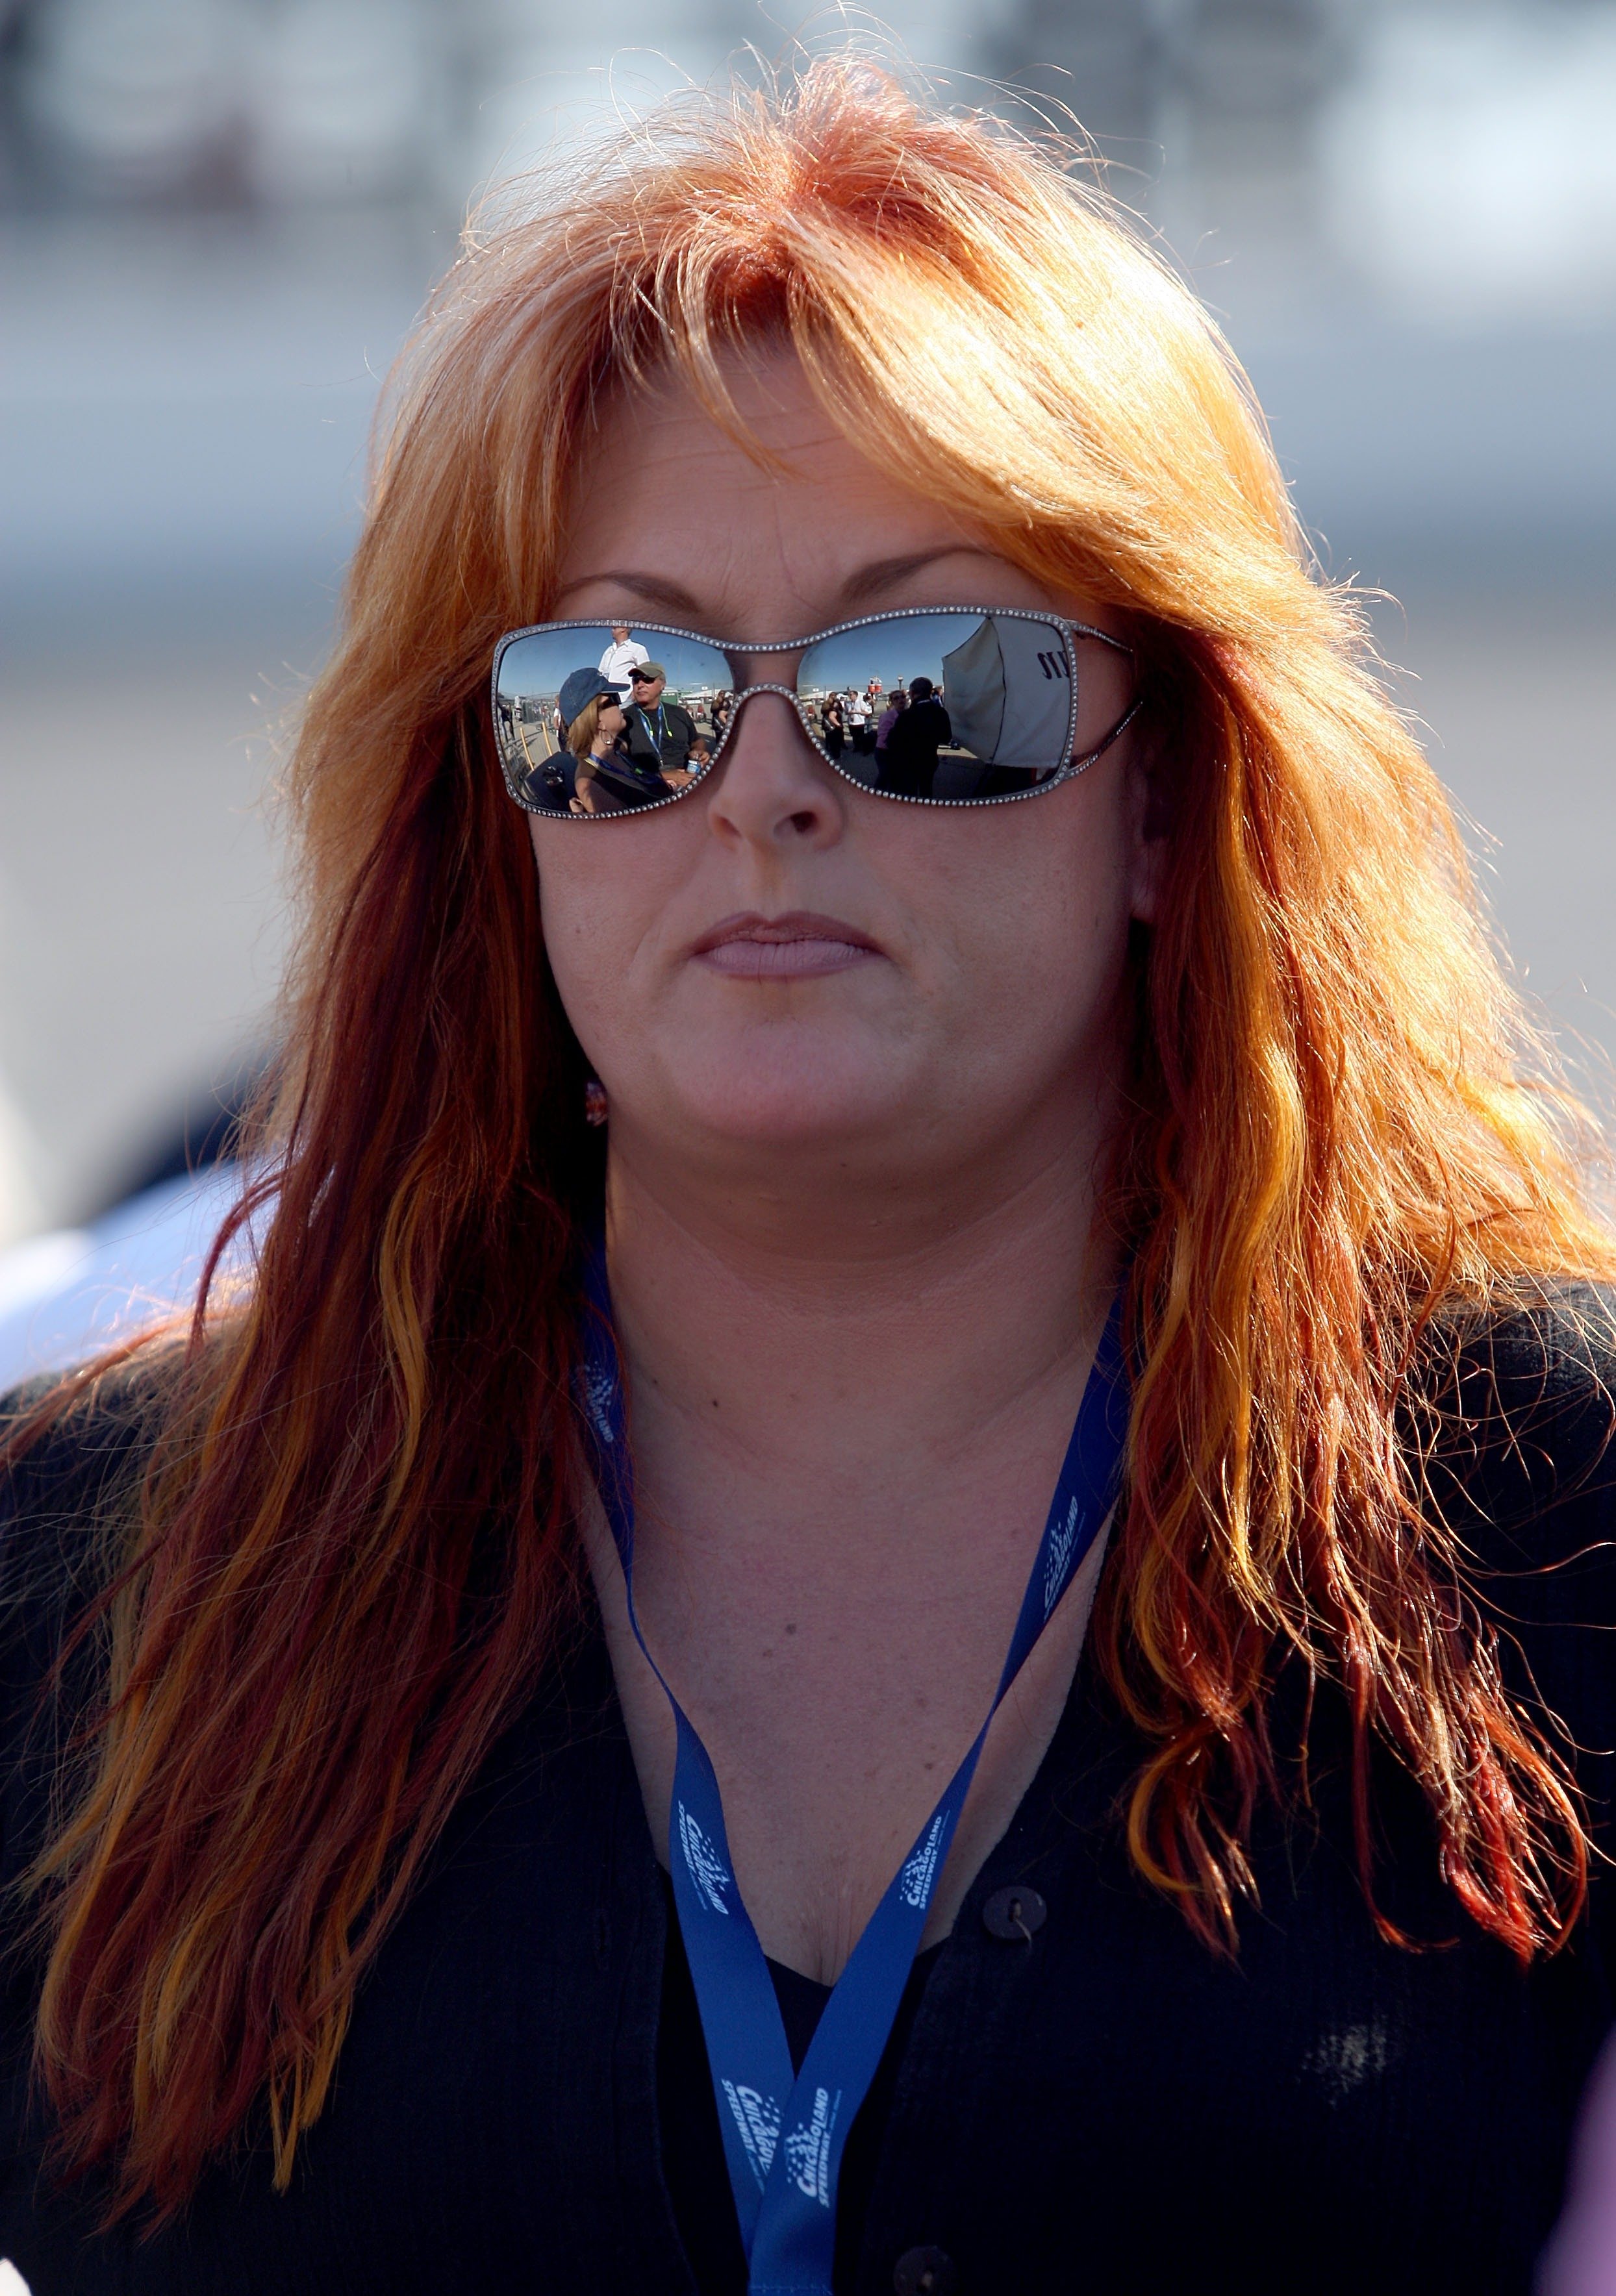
x: 218, y: 217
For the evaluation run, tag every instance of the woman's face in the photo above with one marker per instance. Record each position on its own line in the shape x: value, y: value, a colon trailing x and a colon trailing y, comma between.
x: 611, y: 721
x: 783, y: 970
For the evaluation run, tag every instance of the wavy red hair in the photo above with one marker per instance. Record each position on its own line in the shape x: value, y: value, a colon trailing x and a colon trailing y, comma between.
x: 365, y: 1473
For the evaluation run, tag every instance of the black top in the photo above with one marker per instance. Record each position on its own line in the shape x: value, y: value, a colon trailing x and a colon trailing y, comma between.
x: 692, y: 2145
x: 661, y: 737
x: 1104, y: 2104
x: 619, y: 778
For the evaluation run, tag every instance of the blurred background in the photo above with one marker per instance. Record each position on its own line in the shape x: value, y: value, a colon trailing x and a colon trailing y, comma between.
x: 218, y: 219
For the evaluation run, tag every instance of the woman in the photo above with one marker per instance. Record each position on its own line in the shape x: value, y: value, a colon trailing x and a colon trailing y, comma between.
x: 605, y: 778
x: 1164, y: 1124
x: 833, y: 726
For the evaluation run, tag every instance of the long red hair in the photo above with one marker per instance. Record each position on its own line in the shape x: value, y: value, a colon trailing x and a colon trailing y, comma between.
x: 353, y: 1541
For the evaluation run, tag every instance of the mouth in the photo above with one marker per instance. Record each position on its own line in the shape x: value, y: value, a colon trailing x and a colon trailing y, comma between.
x: 798, y: 947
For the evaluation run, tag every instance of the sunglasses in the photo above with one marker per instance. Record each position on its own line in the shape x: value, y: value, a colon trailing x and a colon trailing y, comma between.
x: 961, y: 706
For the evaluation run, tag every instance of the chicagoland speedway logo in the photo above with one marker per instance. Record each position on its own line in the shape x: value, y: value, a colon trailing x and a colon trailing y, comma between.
x: 706, y: 1869
x: 600, y: 1394
x: 758, y: 2119
x: 807, y: 2148
x: 1059, y: 1555
x: 920, y: 1867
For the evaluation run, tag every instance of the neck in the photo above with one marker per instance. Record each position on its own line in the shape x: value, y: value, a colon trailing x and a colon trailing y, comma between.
x: 787, y: 1326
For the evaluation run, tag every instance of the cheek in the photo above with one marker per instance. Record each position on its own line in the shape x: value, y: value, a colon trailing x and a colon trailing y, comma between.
x: 597, y: 909
x: 1042, y: 894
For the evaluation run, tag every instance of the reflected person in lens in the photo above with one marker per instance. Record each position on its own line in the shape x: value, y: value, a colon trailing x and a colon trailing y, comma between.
x: 597, y: 777
x: 621, y: 656
x: 901, y: 1573
x: 608, y: 774
x: 913, y: 741
x: 661, y: 734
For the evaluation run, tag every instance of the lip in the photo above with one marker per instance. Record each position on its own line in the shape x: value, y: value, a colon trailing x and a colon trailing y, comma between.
x: 800, y: 946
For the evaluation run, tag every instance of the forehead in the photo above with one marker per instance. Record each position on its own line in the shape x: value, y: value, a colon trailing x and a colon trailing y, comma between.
x: 788, y: 527
x: 658, y: 424
x: 658, y: 475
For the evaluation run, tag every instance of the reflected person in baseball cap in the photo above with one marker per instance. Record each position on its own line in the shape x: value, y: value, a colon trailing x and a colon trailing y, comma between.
x: 662, y: 735
x: 605, y: 778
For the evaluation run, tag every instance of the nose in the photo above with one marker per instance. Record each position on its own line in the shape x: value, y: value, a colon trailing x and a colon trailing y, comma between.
x: 773, y: 790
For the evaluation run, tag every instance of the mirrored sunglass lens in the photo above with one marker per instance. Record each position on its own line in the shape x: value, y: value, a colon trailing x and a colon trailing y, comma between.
x: 640, y: 746
x: 959, y: 708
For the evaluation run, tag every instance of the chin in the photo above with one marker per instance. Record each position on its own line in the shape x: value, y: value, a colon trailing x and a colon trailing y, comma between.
x: 782, y: 1120
x: 802, y: 1096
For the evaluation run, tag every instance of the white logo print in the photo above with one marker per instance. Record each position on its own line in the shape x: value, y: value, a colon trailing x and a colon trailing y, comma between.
x: 600, y: 1390
x: 807, y: 2148
x: 708, y: 1870
x: 1059, y: 1555
x: 920, y: 1867
x: 758, y: 2119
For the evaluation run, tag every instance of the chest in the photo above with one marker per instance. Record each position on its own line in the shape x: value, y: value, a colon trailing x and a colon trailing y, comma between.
x: 659, y: 732
x: 835, y: 1717
x: 1105, y: 2104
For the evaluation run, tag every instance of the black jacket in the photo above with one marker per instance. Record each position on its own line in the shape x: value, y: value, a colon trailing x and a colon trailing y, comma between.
x: 1108, y: 2108
x: 920, y: 731
x: 910, y: 762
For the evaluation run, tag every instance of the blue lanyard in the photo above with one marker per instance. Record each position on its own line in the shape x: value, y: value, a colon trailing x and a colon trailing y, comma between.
x: 660, y: 735
x: 784, y: 2134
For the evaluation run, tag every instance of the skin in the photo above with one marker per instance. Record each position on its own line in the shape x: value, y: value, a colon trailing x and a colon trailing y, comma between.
x: 607, y: 725
x: 861, y: 1060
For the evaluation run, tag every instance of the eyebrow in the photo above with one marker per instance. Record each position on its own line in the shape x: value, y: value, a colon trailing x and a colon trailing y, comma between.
x: 883, y: 573
x: 866, y: 582
x: 653, y: 589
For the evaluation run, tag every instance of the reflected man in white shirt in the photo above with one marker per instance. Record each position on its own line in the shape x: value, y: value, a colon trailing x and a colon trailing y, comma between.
x: 620, y: 657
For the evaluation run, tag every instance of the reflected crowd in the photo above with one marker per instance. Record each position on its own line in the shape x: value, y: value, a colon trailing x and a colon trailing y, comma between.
x: 597, y: 717
x: 618, y: 736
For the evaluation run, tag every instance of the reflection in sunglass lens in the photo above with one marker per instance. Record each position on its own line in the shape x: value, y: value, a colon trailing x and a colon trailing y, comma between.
x: 958, y: 706
x: 963, y: 707
x: 563, y: 748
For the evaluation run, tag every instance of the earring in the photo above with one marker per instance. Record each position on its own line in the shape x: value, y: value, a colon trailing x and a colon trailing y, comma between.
x: 594, y: 1102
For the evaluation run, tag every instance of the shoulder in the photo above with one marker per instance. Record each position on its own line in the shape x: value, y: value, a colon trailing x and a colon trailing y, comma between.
x: 85, y: 1454
x: 1519, y: 1464
x: 1519, y: 1405
x: 61, y: 1499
